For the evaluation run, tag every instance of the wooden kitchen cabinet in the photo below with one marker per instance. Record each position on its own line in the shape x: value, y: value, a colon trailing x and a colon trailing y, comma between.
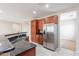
x: 33, y: 31
x: 52, y: 19
x: 41, y: 23
x: 36, y: 26
x: 30, y: 52
x: 40, y: 28
x: 39, y: 38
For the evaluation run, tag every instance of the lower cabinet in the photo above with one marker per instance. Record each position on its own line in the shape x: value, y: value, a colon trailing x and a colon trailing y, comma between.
x: 30, y: 52
x: 39, y: 39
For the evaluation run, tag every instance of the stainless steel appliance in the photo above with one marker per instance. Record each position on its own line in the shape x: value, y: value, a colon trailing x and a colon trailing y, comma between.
x: 50, y: 36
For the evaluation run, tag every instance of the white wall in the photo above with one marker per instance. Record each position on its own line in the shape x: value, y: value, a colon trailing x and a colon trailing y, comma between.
x: 67, y: 25
x: 77, y: 33
x: 9, y: 27
x: 67, y: 30
x: 26, y: 27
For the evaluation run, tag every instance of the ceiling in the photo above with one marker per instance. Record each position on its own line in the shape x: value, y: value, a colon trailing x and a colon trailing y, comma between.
x: 18, y: 12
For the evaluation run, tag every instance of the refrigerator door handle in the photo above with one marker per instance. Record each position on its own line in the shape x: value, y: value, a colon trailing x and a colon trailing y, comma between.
x: 44, y: 32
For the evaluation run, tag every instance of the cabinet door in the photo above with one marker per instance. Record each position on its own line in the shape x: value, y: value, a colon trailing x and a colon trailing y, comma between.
x: 33, y: 30
x: 40, y: 27
x: 30, y: 52
x: 41, y: 39
x: 37, y: 39
x: 40, y: 23
x: 52, y: 19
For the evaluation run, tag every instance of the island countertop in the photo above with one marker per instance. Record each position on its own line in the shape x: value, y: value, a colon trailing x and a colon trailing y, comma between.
x: 21, y: 46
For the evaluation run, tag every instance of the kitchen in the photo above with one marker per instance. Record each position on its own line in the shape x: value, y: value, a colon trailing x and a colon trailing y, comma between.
x: 37, y: 30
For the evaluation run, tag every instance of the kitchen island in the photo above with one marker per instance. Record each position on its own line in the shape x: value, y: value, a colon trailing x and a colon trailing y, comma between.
x: 17, y: 44
x: 21, y: 48
x: 22, y: 45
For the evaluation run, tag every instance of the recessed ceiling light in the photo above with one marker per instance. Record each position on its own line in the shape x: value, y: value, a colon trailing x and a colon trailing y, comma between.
x: 47, y: 5
x: 1, y: 11
x: 34, y: 12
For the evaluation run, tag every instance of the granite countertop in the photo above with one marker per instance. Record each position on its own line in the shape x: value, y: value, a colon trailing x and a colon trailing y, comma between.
x: 21, y: 46
x: 5, y: 44
x: 14, y: 33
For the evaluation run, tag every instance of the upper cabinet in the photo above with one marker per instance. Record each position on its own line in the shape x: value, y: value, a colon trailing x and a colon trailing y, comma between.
x: 41, y: 23
x: 52, y: 19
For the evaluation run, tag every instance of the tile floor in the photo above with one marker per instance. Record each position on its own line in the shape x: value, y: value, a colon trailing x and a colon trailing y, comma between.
x: 41, y: 51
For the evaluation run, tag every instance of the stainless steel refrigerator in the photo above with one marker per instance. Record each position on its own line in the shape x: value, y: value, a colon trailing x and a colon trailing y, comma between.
x: 50, y: 36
